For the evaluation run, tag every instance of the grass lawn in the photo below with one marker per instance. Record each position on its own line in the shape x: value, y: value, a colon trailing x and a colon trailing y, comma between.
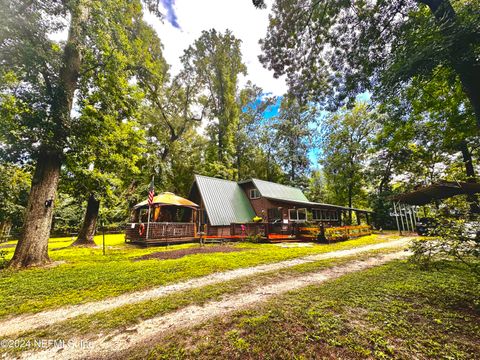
x: 87, y: 275
x: 87, y: 326
x: 392, y: 311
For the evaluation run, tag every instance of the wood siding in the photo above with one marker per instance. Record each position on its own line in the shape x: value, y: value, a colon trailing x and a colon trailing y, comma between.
x: 262, y: 205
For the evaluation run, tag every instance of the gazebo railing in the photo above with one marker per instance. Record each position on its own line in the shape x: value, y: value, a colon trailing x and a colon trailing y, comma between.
x: 159, y: 231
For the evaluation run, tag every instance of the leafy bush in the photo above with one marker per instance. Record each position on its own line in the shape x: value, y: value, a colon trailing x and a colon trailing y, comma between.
x: 255, y: 239
x: 451, y: 238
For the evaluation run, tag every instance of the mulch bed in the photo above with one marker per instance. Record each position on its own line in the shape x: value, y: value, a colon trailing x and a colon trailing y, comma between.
x: 176, y: 254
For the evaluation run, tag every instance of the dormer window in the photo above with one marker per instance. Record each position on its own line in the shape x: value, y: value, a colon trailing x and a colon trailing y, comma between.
x: 254, y: 194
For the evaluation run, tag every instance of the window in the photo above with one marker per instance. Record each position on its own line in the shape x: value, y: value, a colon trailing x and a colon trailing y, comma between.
x: 316, y: 214
x: 324, y: 215
x: 254, y: 194
x: 302, y: 214
x: 297, y: 214
x: 274, y: 214
x: 334, y: 215
x: 292, y: 214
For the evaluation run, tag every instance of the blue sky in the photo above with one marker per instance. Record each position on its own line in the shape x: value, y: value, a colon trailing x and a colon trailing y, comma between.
x: 171, y: 16
x: 314, y: 153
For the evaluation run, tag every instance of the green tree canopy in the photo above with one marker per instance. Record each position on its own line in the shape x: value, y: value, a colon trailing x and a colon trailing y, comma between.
x: 332, y: 50
x: 216, y: 59
x: 41, y: 81
x: 347, y: 138
x: 294, y: 133
x: 14, y: 185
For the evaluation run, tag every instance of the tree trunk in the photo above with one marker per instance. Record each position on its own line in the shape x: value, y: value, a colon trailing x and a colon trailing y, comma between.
x: 32, y: 249
x: 221, y: 145
x: 87, y: 232
x: 385, y: 178
x: 238, y: 162
x: 468, y: 161
x: 463, y: 59
x: 471, y: 176
x: 292, y: 171
x: 269, y: 176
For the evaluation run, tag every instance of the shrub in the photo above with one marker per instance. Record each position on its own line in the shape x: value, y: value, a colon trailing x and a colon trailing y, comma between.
x: 255, y: 239
x: 451, y: 238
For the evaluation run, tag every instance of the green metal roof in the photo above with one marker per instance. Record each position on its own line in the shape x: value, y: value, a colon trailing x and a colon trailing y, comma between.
x: 291, y: 194
x: 225, y: 202
x: 277, y: 191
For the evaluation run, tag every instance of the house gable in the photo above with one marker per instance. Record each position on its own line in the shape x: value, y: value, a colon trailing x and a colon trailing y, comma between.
x: 276, y: 191
x: 224, y: 201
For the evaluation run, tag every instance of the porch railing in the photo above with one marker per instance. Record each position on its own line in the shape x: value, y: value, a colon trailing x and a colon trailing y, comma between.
x: 248, y: 229
x: 347, y: 232
x: 269, y: 230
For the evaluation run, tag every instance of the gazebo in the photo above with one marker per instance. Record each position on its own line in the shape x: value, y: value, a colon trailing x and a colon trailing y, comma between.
x: 170, y: 218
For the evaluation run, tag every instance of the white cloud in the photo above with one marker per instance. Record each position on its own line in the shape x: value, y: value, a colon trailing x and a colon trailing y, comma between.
x: 240, y: 16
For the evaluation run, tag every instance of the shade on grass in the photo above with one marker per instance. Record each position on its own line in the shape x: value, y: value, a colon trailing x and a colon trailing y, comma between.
x: 87, y: 275
x: 395, y: 311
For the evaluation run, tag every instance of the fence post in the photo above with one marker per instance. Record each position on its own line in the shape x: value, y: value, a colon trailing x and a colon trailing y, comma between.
x: 103, y: 236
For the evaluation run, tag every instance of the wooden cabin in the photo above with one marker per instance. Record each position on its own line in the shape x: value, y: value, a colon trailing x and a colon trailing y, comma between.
x: 226, y: 210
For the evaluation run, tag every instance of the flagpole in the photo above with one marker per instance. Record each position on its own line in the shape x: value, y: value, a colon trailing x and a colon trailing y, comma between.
x: 148, y: 222
x: 149, y: 210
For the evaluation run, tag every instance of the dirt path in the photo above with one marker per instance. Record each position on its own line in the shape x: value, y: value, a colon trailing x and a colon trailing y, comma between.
x: 149, y: 331
x: 23, y: 323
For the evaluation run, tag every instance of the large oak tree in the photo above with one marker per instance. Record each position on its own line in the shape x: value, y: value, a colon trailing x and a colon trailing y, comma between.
x: 40, y: 80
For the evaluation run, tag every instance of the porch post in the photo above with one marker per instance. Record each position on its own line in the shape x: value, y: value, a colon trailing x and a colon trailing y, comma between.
x: 401, y: 216
x: 396, y: 217
x: 412, y: 216
x: 194, y: 221
x: 415, y: 217
x: 406, y: 217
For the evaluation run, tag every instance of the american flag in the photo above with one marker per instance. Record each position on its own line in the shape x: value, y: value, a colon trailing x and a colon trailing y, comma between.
x: 151, y: 193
